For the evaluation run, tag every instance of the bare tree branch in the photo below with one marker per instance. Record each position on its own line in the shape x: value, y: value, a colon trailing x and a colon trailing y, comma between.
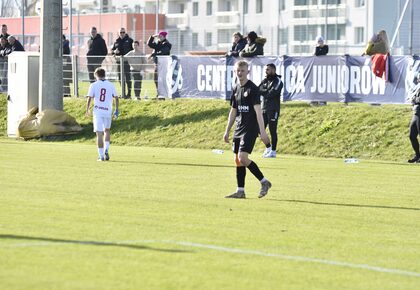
x: 6, y: 8
x: 29, y: 6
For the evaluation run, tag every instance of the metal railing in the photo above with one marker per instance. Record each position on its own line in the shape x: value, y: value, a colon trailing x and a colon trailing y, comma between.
x: 134, y: 76
x: 3, y: 74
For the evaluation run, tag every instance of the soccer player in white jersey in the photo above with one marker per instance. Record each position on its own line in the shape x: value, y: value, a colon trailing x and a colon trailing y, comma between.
x: 103, y: 92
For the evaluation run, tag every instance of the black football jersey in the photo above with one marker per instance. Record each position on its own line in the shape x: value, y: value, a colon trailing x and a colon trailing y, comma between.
x: 243, y: 100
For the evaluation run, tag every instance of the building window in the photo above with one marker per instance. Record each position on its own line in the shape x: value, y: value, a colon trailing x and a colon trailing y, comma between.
x: 209, y: 9
x: 195, y: 9
x: 245, y: 6
x: 301, y: 2
x: 194, y: 39
x: 301, y: 49
x: 208, y: 39
x: 336, y: 32
x: 305, y: 32
x: 359, y: 3
x: 282, y: 5
x: 182, y: 40
x: 181, y: 8
x: 359, y: 33
x: 228, y: 6
x: 259, y: 7
x: 225, y: 35
x: 331, y: 2
x: 283, y: 35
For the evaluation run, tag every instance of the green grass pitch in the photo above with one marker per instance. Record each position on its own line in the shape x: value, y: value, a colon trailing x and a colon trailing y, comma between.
x: 155, y: 218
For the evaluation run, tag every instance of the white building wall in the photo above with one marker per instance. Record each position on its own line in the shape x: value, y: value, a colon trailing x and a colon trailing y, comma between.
x: 287, y: 30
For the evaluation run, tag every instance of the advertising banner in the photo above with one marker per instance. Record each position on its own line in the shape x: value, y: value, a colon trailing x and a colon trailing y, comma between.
x: 323, y: 78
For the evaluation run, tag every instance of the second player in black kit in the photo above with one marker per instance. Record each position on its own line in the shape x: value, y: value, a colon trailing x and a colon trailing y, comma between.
x: 270, y: 88
x: 246, y: 112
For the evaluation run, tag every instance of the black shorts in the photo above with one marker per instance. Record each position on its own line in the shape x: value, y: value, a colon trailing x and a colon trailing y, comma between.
x: 271, y: 116
x: 245, y: 143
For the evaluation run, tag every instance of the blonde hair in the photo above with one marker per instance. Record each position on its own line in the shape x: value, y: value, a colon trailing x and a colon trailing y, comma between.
x: 241, y: 63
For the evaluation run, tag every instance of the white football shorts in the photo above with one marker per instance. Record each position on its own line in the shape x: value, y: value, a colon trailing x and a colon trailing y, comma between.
x: 101, y: 123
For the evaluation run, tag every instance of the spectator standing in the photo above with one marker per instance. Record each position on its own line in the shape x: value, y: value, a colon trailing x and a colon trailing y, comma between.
x: 97, y: 51
x: 4, y: 50
x: 321, y: 48
x: 270, y: 88
x: 4, y: 33
x: 414, y: 98
x: 67, y: 71
x: 254, y: 47
x: 239, y: 43
x: 137, y: 61
x: 160, y: 46
x: 122, y: 45
x: 15, y: 45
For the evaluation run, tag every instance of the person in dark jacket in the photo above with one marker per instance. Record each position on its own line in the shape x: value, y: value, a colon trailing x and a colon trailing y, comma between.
x: 270, y: 88
x: 4, y: 49
x: 15, y: 45
x: 4, y: 33
x: 4, y: 46
x: 321, y: 48
x: 97, y: 51
x: 254, y: 47
x: 414, y: 98
x: 67, y: 72
x: 121, y: 47
x: 239, y: 43
x: 160, y: 46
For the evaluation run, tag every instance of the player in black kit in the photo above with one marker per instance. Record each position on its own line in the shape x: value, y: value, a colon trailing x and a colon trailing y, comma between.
x: 270, y: 89
x: 246, y: 110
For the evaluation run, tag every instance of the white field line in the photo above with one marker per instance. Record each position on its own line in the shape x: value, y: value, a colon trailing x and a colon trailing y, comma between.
x: 227, y: 250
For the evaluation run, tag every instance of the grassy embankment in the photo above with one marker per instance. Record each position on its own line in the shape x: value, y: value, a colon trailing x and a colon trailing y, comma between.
x: 334, y: 130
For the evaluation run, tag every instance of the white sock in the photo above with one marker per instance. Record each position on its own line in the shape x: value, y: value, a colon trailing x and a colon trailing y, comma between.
x: 263, y: 180
x: 101, y: 152
x: 240, y: 189
x: 106, y: 146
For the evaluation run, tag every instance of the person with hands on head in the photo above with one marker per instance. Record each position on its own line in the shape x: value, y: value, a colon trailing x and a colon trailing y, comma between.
x: 239, y: 43
x: 160, y: 46
x: 246, y: 112
x: 103, y: 92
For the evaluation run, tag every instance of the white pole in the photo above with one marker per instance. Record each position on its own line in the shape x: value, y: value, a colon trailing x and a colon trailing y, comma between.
x: 23, y: 22
x: 100, y: 15
x: 143, y: 37
x: 157, y: 16
x: 399, y: 23
x: 71, y: 25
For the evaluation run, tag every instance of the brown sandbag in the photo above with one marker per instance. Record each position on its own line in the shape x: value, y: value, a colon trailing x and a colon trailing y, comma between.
x: 46, y: 123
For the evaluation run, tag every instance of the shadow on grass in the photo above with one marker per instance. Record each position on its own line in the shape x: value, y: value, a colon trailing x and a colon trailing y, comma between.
x: 176, y: 164
x: 347, y: 204
x: 143, y: 123
x: 91, y: 243
x: 231, y: 165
